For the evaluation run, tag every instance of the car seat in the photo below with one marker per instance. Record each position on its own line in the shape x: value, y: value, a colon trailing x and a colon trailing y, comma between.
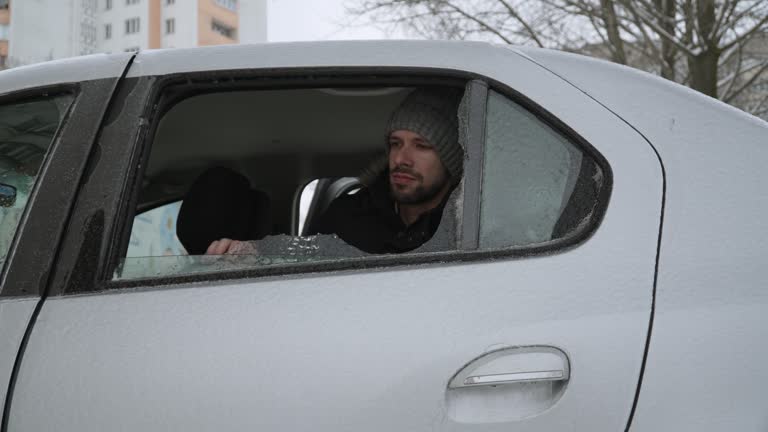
x: 221, y: 204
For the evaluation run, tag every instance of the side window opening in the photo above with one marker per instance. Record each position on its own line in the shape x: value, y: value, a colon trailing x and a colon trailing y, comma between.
x: 268, y: 141
x: 27, y: 130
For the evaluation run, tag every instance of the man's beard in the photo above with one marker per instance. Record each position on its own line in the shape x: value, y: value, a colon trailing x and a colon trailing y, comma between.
x: 419, y: 195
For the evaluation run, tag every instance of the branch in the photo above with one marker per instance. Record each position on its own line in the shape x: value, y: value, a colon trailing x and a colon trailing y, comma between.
x: 732, y: 22
x: 725, y: 56
x: 725, y: 16
x: 660, y: 31
x: 732, y: 79
x: 749, y: 82
x: 757, y: 110
x: 748, y: 34
x: 650, y: 9
x: 612, y: 30
x: 522, y: 22
x: 479, y: 22
x: 647, y: 40
x: 597, y: 28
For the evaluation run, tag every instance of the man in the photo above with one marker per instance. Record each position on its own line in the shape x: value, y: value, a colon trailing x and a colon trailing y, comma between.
x: 400, y: 209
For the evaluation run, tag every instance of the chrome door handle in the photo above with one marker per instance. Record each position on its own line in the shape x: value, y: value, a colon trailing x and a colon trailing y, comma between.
x: 514, y: 365
x: 517, y: 377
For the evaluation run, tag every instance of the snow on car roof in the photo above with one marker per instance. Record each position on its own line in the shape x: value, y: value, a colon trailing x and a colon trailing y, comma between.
x: 69, y: 70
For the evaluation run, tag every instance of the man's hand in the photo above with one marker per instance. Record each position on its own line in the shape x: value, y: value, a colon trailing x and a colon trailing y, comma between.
x: 227, y: 246
x: 221, y: 247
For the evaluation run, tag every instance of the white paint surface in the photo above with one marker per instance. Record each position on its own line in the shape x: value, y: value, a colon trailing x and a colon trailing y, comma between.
x: 705, y: 369
x: 450, y: 55
x: 367, y: 350
x: 14, y: 317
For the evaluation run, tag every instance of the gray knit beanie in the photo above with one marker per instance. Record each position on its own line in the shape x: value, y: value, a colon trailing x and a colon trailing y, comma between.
x: 433, y: 114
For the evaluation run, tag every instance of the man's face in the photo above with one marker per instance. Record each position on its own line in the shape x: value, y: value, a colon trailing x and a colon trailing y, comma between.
x: 416, y: 173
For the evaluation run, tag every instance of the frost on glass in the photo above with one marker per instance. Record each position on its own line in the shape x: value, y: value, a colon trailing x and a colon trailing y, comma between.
x: 270, y: 251
x: 26, y: 132
x: 530, y: 172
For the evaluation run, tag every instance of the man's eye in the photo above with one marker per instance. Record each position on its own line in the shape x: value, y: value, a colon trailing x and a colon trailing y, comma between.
x: 424, y: 146
x: 394, y: 143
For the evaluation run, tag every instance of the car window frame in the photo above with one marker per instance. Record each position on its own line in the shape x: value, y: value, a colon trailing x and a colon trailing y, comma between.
x: 289, y: 78
x: 28, y: 265
x: 151, y: 111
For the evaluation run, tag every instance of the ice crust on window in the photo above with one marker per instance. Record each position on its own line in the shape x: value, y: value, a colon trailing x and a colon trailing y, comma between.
x: 530, y: 174
x: 304, y: 247
x: 270, y: 251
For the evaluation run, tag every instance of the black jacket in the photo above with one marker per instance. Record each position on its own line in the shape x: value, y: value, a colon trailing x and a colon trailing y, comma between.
x: 367, y: 220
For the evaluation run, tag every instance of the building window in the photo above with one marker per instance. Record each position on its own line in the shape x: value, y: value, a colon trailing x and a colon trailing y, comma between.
x: 169, y: 2
x: 3, y: 4
x: 170, y: 26
x: 132, y: 49
x: 222, y: 29
x: 2, y: 62
x: 108, y: 31
x: 131, y: 26
x: 229, y: 4
x: 131, y: 2
x: 4, y: 30
x: 107, y: 4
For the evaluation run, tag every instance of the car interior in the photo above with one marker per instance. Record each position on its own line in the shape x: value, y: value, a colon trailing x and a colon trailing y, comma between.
x: 279, y: 140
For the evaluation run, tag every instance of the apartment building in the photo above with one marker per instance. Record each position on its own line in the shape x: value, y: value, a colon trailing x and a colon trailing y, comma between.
x: 38, y: 30
x: 5, y: 19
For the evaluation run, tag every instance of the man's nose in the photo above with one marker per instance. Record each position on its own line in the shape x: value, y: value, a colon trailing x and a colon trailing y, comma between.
x: 402, y: 156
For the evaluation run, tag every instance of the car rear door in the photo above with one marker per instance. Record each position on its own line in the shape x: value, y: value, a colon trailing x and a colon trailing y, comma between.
x: 486, y: 338
x: 49, y: 116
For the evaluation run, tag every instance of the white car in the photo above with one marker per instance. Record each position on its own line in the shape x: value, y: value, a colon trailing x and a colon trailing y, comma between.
x: 601, y: 267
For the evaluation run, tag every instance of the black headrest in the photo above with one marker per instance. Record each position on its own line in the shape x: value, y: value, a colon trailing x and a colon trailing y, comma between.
x: 221, y: 204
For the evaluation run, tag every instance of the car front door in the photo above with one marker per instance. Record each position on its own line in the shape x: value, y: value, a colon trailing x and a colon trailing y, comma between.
x: 493, y: 337
x: 49, y: 116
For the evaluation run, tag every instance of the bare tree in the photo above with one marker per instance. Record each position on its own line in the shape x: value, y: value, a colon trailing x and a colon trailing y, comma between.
x: 718, y: 47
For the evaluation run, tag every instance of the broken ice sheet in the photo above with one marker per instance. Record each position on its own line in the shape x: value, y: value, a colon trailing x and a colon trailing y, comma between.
x: 272, y: 250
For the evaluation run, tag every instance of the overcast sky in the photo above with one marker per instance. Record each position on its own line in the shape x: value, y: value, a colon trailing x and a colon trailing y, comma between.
x: 302, y: 20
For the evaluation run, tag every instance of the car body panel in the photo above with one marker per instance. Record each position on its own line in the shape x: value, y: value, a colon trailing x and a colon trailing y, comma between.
x: 362, y: 349
x: 705, y: 362
x: 14, y: 317
x: 71, y: 70
x: 34, y: 252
